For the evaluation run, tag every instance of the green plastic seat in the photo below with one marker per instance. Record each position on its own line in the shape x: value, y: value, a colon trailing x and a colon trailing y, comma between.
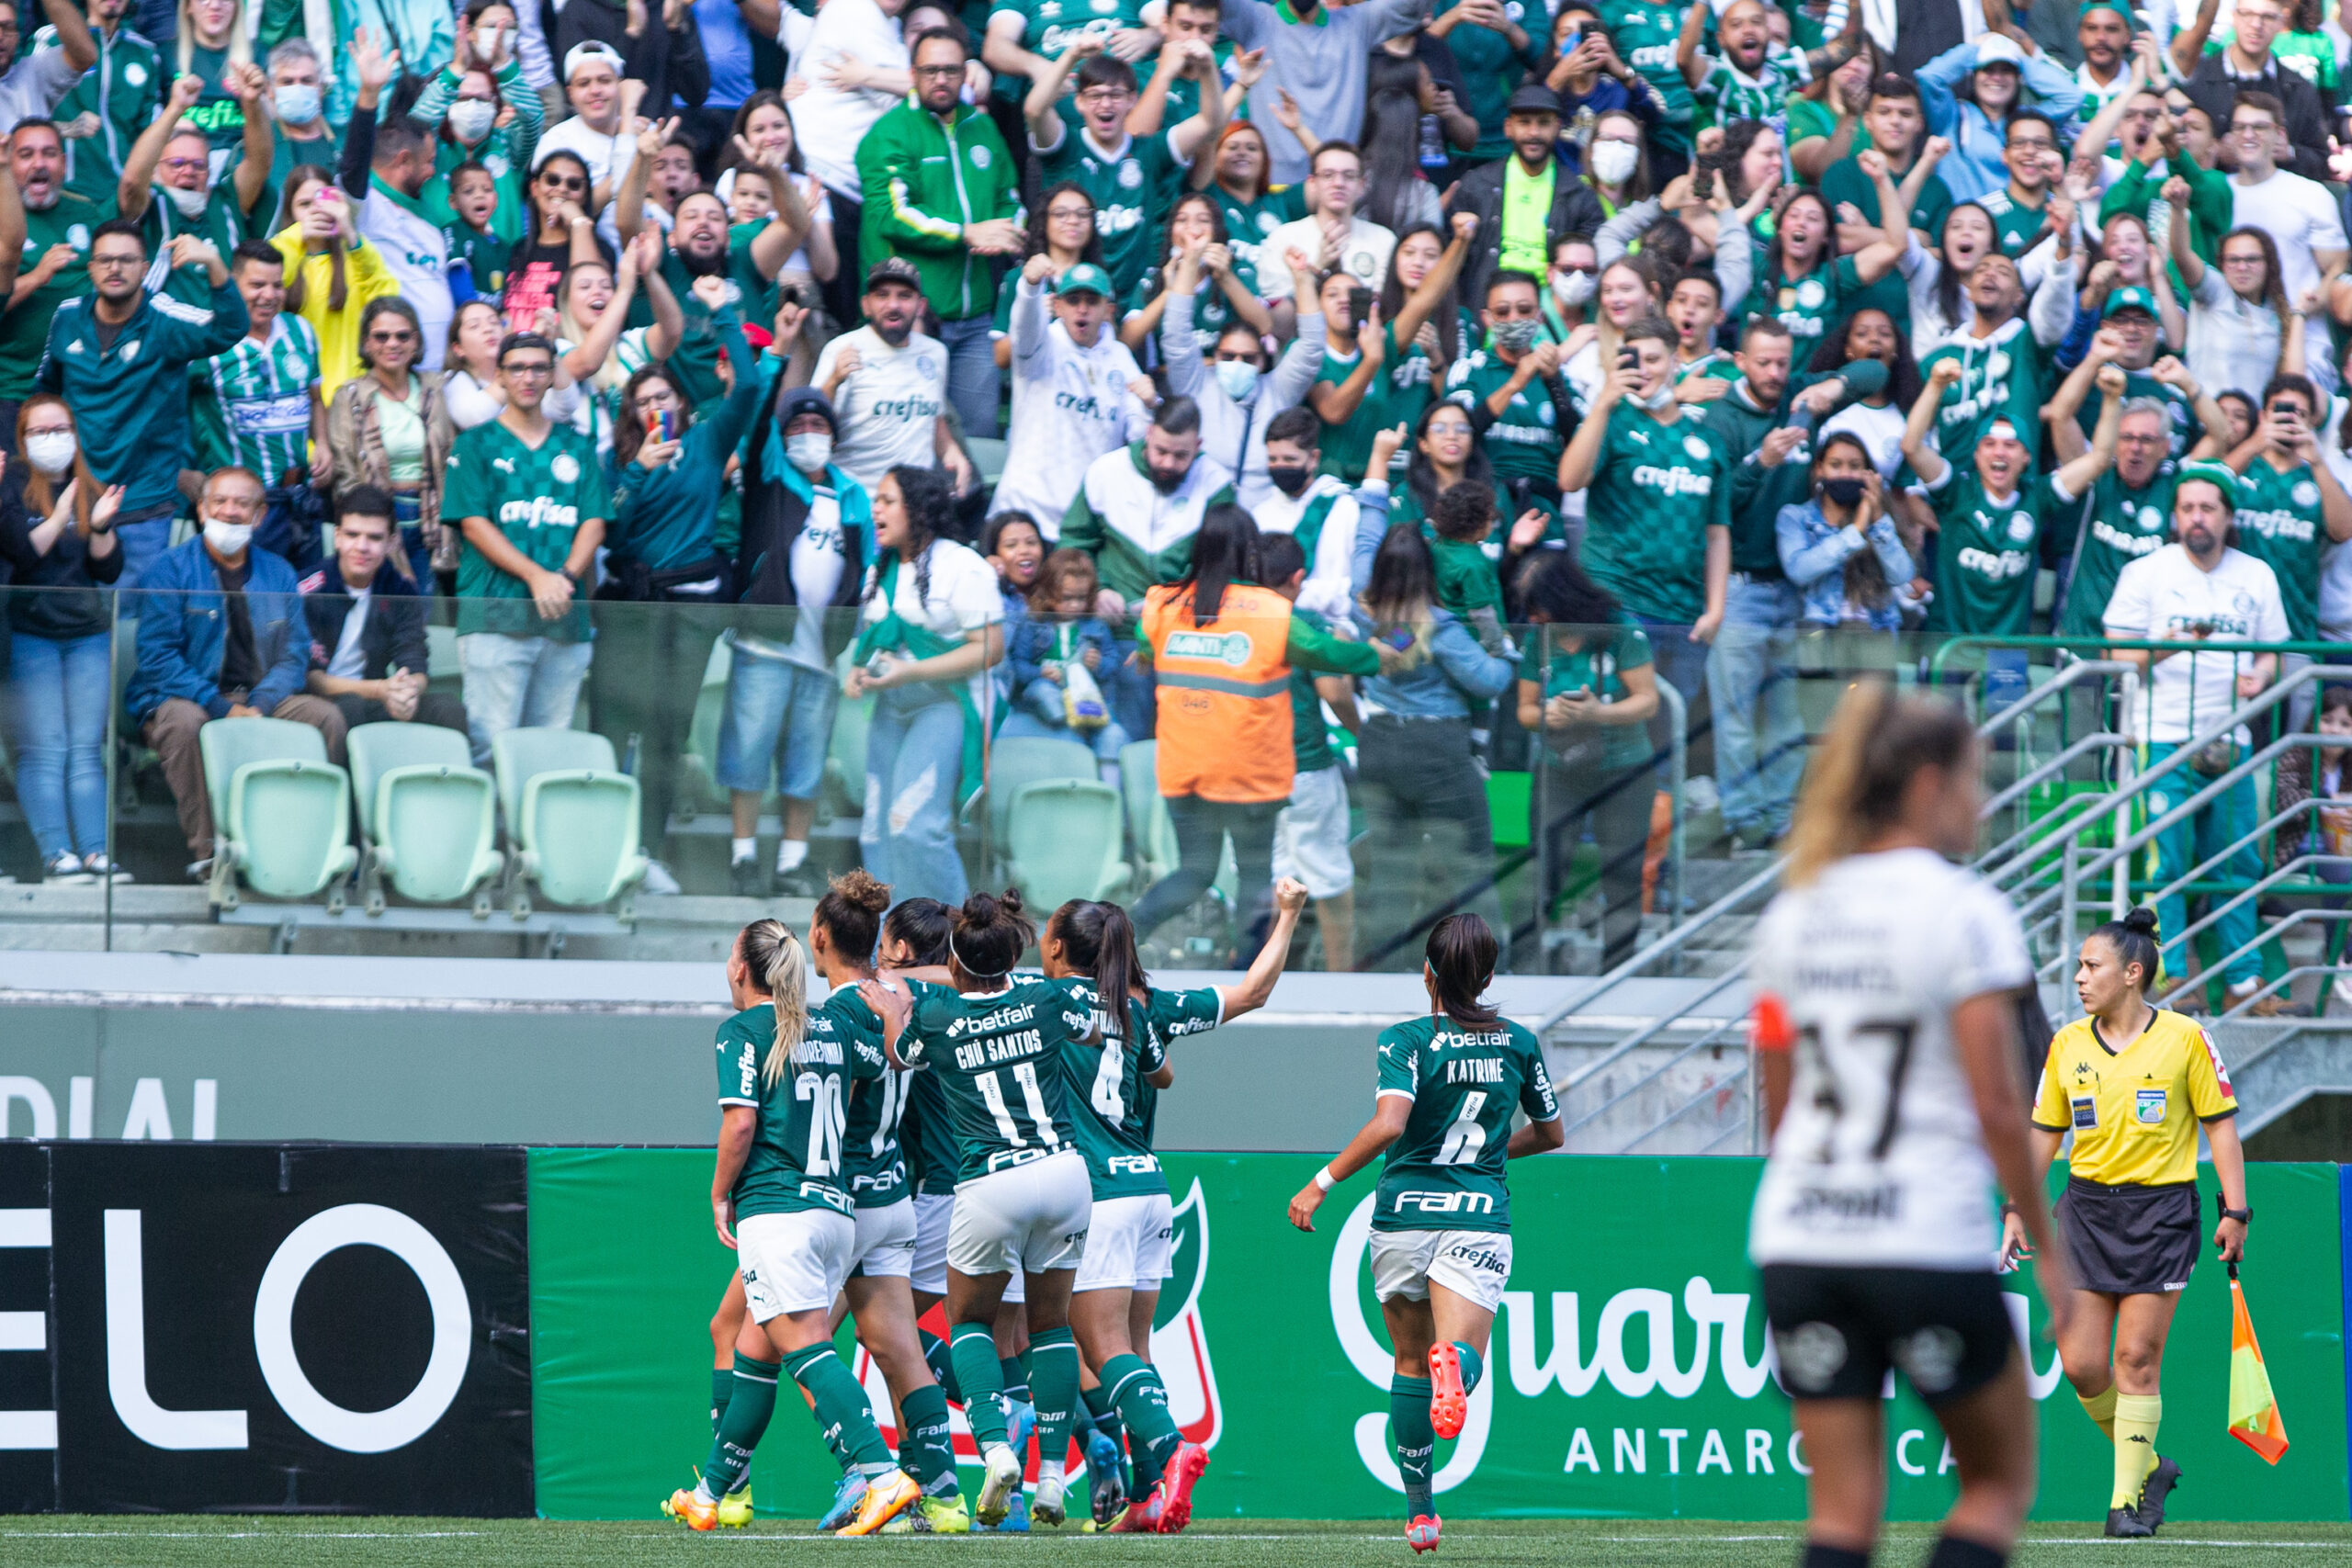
x: 281, y: 812
x: 427, y: 815
x: 700, y: 785
x: 1027, y: 759
x: 572, y: 816
x: 1149, y: 824
x: 845, y: 752
x: 1063, y: 841
x: 988, y: 454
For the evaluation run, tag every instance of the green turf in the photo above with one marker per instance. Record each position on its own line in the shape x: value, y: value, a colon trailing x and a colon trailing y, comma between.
x: 115, y: 1541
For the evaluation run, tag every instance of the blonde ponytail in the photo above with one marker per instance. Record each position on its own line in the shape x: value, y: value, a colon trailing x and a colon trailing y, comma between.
x: 776, y: 955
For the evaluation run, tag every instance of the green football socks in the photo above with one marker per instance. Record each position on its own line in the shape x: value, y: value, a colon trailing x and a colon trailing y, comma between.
x: 1015, y: 1373
x: 942, y: 1365
x: 843, y: 1415
x: 750, y: 1404
x: 974, y: 1349
x: 1414, y: 1440
x: 1053, y: 1374
x: 924, y: 1445
x: 1135, y: 1389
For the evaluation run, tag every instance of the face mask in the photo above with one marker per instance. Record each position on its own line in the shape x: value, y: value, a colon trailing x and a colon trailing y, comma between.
x: 227, y: 538
x: 1288, y: 480
x: 1660, y: 399
x: 809, y: 451
x: 1239, y: 379
x: 1515, y: 336
x: 1844, y: 490
x: 470, y: 119
x: 486, y: 43
x: 1572, y: 289
x: 189, y: 204
x: 297, y: 104
x: 1612, y: 161
x: 50, y: 451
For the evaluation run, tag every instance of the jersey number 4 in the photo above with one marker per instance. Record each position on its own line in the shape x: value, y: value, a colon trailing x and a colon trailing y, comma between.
x: 992, y: 1092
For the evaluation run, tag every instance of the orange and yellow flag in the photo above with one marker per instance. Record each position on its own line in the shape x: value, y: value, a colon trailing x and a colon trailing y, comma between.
x: 2254, y: 1410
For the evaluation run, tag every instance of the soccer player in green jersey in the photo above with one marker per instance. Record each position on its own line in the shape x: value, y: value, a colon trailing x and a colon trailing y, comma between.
x: 1022, y: 1199
x: 1441, y: 1221
x: 776, y: 1200
x: 1128, y: 1240
x: 1992, y: 517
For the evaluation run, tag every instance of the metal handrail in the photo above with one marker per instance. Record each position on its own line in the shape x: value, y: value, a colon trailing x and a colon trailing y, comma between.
x: 1657, y: 1026
x: 2222, y: 965
x: 1679, y: 1112
x: 2027, y: 781
x: 2283, y: 982
x: 1712, y: 1036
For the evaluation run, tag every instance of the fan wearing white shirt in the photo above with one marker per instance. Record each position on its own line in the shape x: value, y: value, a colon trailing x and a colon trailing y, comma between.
x: 2198, y: 590
x: 2298, y: 214
x: 886, y: 383
x: 1077, y: 392
x: 1330, y: 235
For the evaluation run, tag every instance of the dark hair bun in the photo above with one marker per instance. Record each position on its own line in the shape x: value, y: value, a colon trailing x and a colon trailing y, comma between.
x: 2142, y: 921
x: 857, y: 887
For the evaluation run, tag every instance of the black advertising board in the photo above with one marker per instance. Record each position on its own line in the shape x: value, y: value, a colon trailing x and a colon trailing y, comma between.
x: 271, y: 1328
x: 28, y: 1372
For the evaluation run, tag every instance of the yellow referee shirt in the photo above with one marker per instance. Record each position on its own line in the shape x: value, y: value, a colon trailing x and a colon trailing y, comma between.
x: 2134, y: 1112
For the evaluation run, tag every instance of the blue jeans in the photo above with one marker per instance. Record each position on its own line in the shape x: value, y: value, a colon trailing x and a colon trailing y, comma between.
x: 1682, y: 665
x: 409, y: 512
x: 776, y: 712
x: 143, y: 541
x: 517, y: 682
x: 974, y: 382
x: 1040, y: 714
x: 58, y: 692
x: 1751, y: 690
x: 2222, y: 820
x: 915, y: 779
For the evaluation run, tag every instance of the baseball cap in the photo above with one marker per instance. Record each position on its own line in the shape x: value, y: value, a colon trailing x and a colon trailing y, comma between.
x: 1999, y: 48
x: 1534, y: 97
x: 805, y: 400
x: 581, y: 54
x: 893, y: 269
x: 2118, y: 6
x: 2219, y: 475
x: 1085, y: 278
x: 2131, y: 297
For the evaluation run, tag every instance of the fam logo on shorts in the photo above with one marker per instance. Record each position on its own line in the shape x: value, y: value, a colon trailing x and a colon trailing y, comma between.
x: 1180, y: 1345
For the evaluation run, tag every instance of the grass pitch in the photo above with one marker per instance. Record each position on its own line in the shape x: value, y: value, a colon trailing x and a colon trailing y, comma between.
x: 207, y: 1542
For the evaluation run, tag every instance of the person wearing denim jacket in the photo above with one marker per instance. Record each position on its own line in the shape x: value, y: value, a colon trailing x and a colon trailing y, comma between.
x: 1431, y: 846
x: 1974, y: 166
x: 1819, y: 537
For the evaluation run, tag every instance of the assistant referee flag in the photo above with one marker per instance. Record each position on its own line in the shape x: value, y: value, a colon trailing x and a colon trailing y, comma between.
x: 2254, y: 1411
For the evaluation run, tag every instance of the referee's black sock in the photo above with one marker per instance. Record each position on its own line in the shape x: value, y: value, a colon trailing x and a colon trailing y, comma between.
x: 1952, y: 1551
x: 1816, y: 1555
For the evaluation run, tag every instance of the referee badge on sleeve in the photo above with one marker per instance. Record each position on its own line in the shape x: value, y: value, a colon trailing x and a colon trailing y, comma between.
x: 2148, y: 1106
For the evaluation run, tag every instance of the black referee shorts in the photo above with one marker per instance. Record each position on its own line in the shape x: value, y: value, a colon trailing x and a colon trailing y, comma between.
x: 1837, y: 1330
x: 2129, y: 1241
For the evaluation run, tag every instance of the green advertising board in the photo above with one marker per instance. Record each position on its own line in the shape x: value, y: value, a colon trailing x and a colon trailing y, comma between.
x: 1628, y: 1373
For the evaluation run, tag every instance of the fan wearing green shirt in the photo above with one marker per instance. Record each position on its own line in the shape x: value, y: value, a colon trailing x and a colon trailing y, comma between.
x: 1173, y: 93
x: 2290, y: 509
x: 1897, y: 126
x: 1991, y: 519
x: 1748, y: 80
x: 529, y: 496
x: 1657, y: 504
x: 167, y: 179
x: 1512, y: 384
x: 51, y: 268
x: 1647, y: 35
x: 2035, y: 158
x: 1131, y: 178
x: 1493, y: 53
x: 1802, y: 282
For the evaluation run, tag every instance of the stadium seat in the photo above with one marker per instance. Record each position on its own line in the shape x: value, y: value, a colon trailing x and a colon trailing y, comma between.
x: 1062, y: 841
x: 1147, y: 821
x: 572, y: 816
x: 845, y: 752
x: 427, y: 815
x: 1027, y: 759
x: 281, y: 812
x: 699, y: 788
x: 988, y: 456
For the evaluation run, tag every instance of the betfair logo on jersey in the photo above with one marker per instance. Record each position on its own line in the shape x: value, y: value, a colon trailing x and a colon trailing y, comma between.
x: 1020, y: 1014
x: 2280, y: 525
x: 1231, y: 648
x: 1999, y: 567
x: 1674, y: 481
x: 537, y: 512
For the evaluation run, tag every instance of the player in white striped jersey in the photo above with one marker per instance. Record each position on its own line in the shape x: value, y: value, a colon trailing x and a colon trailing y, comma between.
x: 1887, y: 982
x: 1075, y: 389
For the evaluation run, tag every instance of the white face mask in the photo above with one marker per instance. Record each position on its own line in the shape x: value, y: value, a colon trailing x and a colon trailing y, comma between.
x: 470, y: 119
x: 186, y: 203
x: 809, y: 451
x: 1612, y: 161
x: 1239, y: 379
x: 486, y: 43
x: 227, y: 538
x: 50, y: 451
x: 1661, y: 398
x: 1572, y: 288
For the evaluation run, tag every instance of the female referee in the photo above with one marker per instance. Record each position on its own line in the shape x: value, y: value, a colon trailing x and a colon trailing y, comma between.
x: 776, y: 1200
x: 2132, y: 1083
x: 1887, y: 983
x: 1441, y: 1231
x: 1128, y: 1242
x: 1022, y: 1200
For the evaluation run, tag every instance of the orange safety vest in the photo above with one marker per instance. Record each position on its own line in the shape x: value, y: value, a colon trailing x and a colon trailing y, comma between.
x: 1224, y: 694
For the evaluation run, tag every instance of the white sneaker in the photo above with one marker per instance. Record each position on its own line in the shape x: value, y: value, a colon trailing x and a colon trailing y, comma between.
x: 104, y: 870
x: 658, y: 880
x: 996, y: 1491
x: 66, y: 871
x: 2342, y: 991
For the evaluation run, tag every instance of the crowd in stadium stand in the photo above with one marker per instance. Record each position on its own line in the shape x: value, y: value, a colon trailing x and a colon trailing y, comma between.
x: 944, y: 336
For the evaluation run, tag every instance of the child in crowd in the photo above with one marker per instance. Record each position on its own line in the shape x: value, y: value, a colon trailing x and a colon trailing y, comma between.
x: 1062, y: 656
x: 470, y: 232
x: 1015, y: 548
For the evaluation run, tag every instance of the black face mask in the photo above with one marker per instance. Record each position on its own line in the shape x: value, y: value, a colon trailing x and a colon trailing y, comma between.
x: 1845, y: 491
x: 1289, y: 481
